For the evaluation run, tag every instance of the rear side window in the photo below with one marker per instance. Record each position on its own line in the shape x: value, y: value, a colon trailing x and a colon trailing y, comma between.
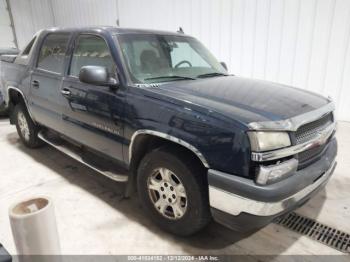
x: 52, y: 53
x: 91, y: 50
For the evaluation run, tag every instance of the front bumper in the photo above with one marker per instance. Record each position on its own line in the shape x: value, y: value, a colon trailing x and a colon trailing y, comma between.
x: 242, y: 205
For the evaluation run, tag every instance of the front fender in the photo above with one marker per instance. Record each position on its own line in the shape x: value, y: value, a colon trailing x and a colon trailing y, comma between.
x: 219, y: 143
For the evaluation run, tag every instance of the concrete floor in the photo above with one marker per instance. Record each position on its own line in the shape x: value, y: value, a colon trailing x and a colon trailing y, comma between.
x: 93, y: 219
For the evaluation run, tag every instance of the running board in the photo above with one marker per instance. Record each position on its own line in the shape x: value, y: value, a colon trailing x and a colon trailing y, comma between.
x: 68, y: 150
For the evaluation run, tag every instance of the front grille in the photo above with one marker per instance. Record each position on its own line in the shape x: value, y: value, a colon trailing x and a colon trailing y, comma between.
x: 310, y: 156
x: 308, y: 131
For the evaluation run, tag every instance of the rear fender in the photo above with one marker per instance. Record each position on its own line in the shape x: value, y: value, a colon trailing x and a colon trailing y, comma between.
x: 15, y: 96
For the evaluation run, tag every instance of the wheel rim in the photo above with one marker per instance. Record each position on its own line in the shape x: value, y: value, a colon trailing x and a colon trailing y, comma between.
x: 167, y: 193
x: 23, y: 125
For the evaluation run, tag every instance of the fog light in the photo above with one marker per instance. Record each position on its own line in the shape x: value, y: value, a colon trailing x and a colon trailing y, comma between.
x: 274, y: 173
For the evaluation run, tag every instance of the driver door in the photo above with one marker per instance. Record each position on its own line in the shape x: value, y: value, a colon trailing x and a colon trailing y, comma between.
x: 92, y: 114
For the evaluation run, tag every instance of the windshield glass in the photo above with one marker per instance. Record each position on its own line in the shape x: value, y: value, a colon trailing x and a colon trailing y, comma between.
x: 163, y: 58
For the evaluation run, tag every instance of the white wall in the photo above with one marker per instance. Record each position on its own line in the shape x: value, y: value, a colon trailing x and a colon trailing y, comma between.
x: 304, y: 43
x: 29, y: 16
x: 6, y: 34
x: 32, y: 15
x: 84, y: 12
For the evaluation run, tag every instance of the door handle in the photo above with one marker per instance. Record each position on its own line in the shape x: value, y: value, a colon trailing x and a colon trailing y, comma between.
x: 65, y: 92
x: 35, y: 84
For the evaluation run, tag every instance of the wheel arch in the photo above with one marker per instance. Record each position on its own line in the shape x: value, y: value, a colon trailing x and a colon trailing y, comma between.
x: 15, y: 96
x: 151, y: 134
x: 143, y: 141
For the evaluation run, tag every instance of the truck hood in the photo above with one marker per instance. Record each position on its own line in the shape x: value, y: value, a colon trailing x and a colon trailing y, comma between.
x: 243, y: 99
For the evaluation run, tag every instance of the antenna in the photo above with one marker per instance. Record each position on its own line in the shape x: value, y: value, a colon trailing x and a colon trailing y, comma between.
x: 180, y: 30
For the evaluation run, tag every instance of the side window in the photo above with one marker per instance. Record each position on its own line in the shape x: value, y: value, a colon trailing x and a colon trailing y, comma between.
x: 91, y: 50
x: 52, y: 52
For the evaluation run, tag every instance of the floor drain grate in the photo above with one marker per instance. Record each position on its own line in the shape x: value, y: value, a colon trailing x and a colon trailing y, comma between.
x: 327, y: 235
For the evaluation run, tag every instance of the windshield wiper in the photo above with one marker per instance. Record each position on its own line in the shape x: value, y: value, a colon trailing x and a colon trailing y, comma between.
x: 171, y: 77
x: 211, y: 75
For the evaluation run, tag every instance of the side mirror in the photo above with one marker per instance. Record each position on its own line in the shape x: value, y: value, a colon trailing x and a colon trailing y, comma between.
x: 97, y: 75
x: 224, y: 65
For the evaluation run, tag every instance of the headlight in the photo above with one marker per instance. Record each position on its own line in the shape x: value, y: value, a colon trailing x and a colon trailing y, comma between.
x: 265, y: 141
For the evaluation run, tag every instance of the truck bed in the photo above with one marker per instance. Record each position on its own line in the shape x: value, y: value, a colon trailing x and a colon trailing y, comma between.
x: 10, y: 74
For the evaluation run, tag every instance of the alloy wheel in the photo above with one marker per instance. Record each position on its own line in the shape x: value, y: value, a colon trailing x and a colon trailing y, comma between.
x: 23, y: 125
x: 167, y: 193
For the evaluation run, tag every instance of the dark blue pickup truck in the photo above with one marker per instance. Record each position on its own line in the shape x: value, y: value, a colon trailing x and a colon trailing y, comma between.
x: 157, y: 111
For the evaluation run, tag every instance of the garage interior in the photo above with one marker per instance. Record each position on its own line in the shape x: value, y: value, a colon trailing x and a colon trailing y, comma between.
x: 300, y: 43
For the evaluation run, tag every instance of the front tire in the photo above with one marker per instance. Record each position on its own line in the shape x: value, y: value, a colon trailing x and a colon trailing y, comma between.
x: 26, y: 128
x: 173, y: 189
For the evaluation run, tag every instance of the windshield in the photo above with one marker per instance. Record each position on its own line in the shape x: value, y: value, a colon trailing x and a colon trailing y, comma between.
x: 163, y: 58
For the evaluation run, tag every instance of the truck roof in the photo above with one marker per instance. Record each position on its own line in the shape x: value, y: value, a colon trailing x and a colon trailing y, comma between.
x: 112, y: 30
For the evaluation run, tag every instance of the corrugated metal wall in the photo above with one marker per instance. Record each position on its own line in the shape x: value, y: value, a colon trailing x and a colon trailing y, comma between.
x: 304, y: 43
x: 84, y: 12
x: 6, y: 33
x: 30, y: 16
